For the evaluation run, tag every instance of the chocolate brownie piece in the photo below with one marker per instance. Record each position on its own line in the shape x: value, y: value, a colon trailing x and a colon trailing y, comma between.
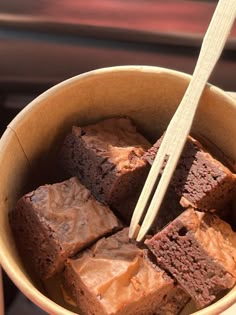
x: 200, y: 180
x: 56, y: 221
x: 199, y: 250
x: 116, y: 277
x: 107, y: 158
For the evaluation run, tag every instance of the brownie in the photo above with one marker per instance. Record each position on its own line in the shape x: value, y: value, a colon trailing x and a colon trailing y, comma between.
x: 199, y: 250
x: 116, y: 277
x: 56, y: 221
x: 200, y: 180
x: 107, y: 158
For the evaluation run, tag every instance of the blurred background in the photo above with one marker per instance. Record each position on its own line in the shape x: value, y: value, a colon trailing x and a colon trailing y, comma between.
x: 46, y: 41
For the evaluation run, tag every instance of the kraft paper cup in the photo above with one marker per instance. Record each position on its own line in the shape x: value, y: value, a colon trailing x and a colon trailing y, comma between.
x: 149, y: 95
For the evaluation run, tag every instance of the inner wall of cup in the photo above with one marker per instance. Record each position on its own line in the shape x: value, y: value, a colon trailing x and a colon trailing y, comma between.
x: 150, y: 99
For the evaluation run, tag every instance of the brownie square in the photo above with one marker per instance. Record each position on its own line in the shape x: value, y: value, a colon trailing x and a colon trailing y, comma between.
x: 199, y: 180
x: 107, y: 158
x: 199, y: 250
x: 116, y: 277
x: 56, y: 221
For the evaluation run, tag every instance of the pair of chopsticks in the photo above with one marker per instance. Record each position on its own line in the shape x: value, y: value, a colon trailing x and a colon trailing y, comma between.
x: 180, y: 125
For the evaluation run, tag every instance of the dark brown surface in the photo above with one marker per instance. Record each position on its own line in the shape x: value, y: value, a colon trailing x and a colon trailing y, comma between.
x: 181, y: 251
x: 168, y: 211
x: 107, y: 159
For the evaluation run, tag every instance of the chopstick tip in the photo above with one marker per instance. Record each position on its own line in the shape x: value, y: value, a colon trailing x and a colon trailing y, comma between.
x: 133, y: 231
x: 141, y: 234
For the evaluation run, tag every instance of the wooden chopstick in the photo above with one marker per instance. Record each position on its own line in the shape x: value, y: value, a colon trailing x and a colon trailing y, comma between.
x: 181, y: 123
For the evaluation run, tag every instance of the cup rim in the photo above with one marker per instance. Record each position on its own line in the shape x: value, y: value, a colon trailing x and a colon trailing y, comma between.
x: 124, y: 68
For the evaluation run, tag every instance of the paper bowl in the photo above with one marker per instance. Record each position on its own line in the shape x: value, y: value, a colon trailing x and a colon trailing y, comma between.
x: 149, y: 95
